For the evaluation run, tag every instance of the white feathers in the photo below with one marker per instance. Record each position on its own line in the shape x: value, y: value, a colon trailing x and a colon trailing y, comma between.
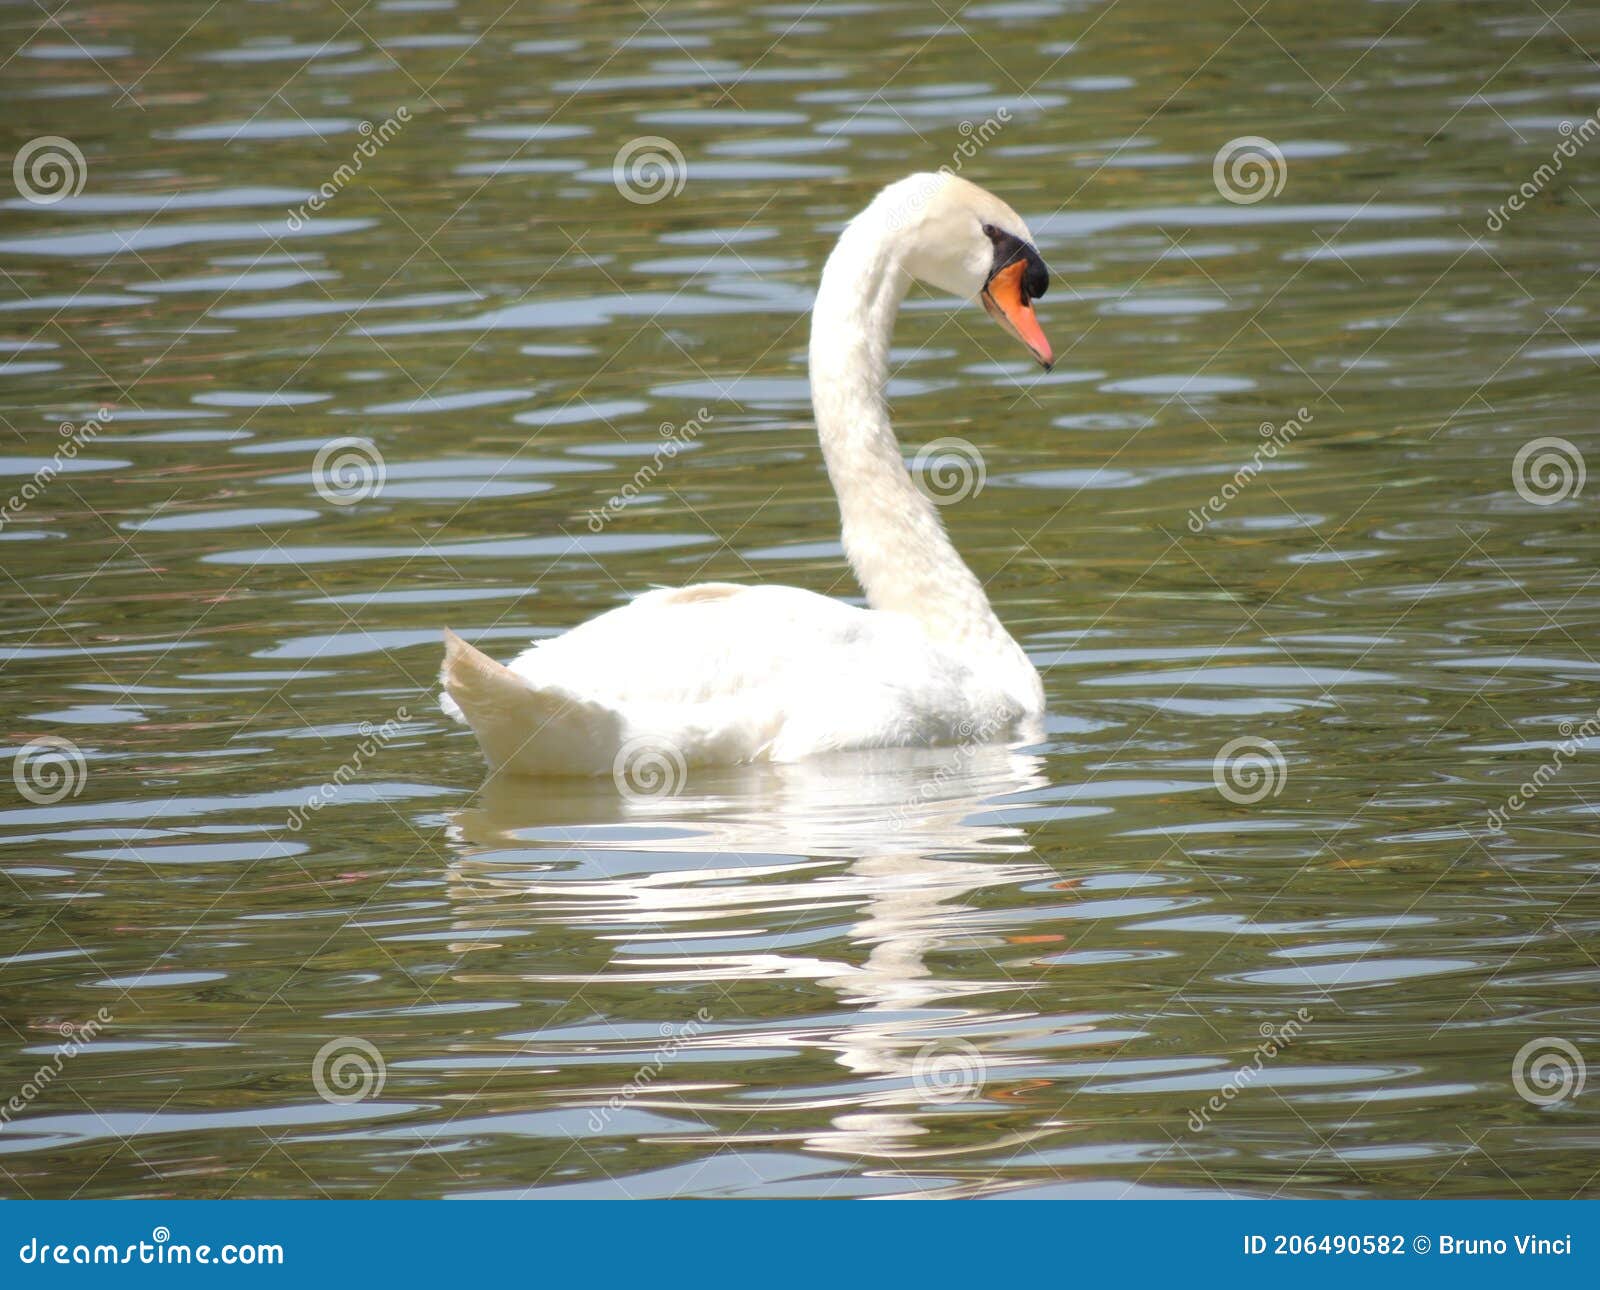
x: 719, y: 673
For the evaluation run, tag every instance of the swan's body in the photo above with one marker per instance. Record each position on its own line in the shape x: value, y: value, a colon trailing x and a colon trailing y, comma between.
x: 718, y: 673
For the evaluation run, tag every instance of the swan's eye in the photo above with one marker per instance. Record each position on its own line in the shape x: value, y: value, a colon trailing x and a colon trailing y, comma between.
x: 1008, y: 248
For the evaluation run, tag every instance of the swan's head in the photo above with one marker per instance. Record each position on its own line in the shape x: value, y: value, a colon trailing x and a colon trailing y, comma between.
x: 959, y: 238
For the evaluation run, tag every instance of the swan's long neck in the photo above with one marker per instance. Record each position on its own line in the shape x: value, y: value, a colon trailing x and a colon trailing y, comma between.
x: 893, y: 536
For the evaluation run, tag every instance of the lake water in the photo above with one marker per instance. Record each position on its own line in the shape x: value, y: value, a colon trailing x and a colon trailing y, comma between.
x: 1260, y: 917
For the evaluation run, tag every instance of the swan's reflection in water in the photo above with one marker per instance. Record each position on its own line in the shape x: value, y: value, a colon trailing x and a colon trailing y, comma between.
x: 734, y: 880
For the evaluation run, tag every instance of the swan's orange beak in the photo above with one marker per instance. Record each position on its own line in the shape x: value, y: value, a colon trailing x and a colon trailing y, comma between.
x: 1008, y: 305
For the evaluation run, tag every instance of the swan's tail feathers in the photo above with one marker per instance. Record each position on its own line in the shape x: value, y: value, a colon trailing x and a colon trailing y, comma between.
x: 521, y: 726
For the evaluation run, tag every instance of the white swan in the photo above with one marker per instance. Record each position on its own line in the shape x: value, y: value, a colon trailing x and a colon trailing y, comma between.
x: 718, y: 673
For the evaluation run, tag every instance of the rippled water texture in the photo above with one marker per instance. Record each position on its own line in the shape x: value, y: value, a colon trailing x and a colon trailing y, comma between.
x: 1142, y: 958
